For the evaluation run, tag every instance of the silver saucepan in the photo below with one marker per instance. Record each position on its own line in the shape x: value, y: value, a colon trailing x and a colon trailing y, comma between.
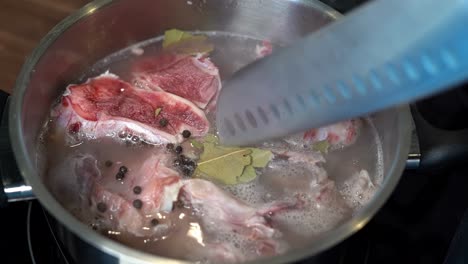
x: 105, y: 26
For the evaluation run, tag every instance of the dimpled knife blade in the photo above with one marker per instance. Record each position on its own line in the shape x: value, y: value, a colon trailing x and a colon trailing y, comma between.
x: 385, y: 53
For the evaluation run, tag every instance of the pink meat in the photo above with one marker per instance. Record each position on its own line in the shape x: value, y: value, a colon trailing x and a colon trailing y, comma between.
x: 106, y: 105
x: 226, y: 212
x: 160, y: 188
x: 340, y: 134
x: 264, y: 49
x: 193, y: 78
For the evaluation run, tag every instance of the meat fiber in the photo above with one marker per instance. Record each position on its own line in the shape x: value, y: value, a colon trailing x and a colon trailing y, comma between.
x: 107, y: 106
x: 193, y: 78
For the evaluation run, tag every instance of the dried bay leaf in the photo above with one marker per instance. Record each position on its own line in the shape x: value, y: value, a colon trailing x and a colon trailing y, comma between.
x: 260, y: 157
x: 157, y: 111
x: 173, y: 36
x: 229, y: 165
x: 196, y: 144
x: 223, y: 164
x: 321, y: 146
x: 249, y: 174
x: 186, y: 43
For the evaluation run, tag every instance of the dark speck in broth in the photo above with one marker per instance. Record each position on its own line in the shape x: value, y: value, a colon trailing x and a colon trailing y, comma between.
x: 102, y: 207
x: 108, y: 163
x: 154, y: 222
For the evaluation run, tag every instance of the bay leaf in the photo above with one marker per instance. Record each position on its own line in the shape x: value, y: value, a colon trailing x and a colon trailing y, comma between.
x: 321, y: 146
x: 157, y: 111
x: 183, y: 42
x: 249, y: 174
x: 210, y: 138
x: 260, y: 157
x: 173, y: 36
x: 224, y: 164
x: 196, y: 144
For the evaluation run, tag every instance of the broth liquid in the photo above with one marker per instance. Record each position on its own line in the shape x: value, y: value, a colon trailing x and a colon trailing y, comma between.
x: 231, y: 53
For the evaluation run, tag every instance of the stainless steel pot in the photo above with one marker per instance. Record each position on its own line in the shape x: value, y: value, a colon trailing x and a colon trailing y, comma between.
x: 106, y: 26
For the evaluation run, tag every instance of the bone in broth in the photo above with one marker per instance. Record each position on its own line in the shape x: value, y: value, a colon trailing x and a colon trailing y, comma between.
x: 131, y: 150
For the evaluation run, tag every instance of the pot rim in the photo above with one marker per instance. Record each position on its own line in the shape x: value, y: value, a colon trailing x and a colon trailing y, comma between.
x: 28, y: 170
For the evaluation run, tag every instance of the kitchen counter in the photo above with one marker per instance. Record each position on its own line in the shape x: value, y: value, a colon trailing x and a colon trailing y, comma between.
x: 22, y: 24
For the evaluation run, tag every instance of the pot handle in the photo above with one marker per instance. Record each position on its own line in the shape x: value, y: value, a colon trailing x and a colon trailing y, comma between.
x: 442, y: 148
x: 12, y: 185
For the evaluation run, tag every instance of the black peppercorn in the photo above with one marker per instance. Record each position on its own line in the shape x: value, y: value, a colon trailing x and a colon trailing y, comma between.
x: 178, y: 149
x: 137, y: 190
x: 102, y: 207
x: 120, y: 176
x: 137, y: 204
x: 135, y: 139
x: 170, y: 146
x: 122, y: 134
x: 187, y: 171
x: 163, y: 122
x: 123, y: 169
x: 186, y: 134
x: 154, y: 222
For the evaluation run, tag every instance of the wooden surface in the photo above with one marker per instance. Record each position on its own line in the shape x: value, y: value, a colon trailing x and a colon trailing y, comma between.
x: 22, y: 24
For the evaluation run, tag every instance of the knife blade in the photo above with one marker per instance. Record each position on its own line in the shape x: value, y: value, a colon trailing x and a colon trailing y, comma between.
x: 383, y: 54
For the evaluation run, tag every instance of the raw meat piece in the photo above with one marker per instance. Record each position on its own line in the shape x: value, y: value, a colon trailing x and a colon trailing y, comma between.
x: 306, y: 170
x: 217, y: 252
x: 221, y: 212
x: 193, y: 78
x: 340, y: 134
x: 106, y: 106
x: 264, y: 49
x: 358, y: 190
x: 159, y: 189
x: 298, y: 156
